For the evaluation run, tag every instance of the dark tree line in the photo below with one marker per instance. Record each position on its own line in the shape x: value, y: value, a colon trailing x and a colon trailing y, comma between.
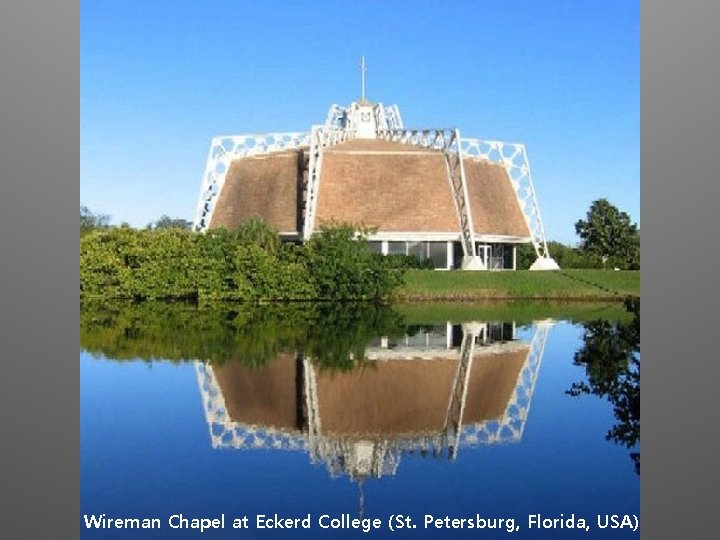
x: 89, y: 221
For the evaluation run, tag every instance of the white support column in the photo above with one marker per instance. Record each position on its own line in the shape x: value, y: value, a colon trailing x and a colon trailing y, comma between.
x: 320, y: 137
x: 448, y: 142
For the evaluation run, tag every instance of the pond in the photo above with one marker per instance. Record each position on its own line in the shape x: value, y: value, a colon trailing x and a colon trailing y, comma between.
x: 351, y: 420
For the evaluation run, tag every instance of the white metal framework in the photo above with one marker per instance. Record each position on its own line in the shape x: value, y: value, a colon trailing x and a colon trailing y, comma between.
x: 393, y: 120
x: 386, y: 117
x: 446, y: 141
x: 378, y: 458
x: 336, y: 117
x: 513, y: 157
x: 320, y: 137
x: 223, y: 151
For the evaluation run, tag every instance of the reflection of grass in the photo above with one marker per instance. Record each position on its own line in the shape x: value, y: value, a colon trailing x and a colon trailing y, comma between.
x: 332, y: 335
x: 562, y: 285
x: 520, y: 311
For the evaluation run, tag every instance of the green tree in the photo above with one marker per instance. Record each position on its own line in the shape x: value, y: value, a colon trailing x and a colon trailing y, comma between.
x: 344, y: 267
x: 256, y: 231
x: 610, y: 234
x: 166, y: 222
x: 525, y: 256
x: 90, y: 222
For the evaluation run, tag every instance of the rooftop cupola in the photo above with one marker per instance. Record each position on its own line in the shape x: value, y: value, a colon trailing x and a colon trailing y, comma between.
x: 363, y: 117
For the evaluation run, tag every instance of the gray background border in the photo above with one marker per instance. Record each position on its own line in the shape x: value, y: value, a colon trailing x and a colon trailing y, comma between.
x: 680, y: 115
x: 39, y: 172
x: 39, y: 194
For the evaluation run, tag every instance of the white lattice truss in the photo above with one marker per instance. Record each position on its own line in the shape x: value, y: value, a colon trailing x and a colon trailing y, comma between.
x: 393, y: 120
x: 341, y: 455
x: 445, y: 141
x: 223, y: 151
x: 386, y: 117
x: 513, y: 157
x: 512, y: 424
x: 320, y: 137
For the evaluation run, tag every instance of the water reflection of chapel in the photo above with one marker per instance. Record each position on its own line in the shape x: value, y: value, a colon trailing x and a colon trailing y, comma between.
x: 439, y: 389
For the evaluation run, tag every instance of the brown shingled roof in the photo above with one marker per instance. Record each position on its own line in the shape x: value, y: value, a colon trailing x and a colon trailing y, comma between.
x: 493, y: 203
x: 386, y: 398
x: 265, y: 396
x: 391, y: 186
x: 404, y: 188
x: 262, y: 186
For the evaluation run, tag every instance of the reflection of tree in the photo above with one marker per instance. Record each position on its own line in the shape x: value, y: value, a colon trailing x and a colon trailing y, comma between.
x: 611, y: 356
x: 332, y: 335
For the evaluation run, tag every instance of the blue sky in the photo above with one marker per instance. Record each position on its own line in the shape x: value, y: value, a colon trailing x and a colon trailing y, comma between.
x: 159, y: 79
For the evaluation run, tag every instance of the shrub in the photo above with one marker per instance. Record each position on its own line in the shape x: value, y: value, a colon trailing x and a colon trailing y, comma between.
x: 249, y: 265
x: 261, y: 276
x: 343, y: 266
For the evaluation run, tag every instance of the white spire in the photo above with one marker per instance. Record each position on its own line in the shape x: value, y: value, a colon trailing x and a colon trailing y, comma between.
x: 362, y: 77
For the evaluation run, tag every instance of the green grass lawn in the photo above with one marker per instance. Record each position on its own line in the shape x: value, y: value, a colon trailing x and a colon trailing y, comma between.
x: 522, y: 284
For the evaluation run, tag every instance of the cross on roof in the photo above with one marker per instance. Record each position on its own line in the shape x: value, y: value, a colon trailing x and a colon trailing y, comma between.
x: 363, y: 69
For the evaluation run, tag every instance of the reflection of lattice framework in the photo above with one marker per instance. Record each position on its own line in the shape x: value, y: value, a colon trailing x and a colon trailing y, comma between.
x: 510, y: 427
x: 446, y: 141
x: 514, y: 158
x: 458, y: 395
x: 341, y: 457
x: 225, y: 433
x: 338, y: 453
x: 223, y: 150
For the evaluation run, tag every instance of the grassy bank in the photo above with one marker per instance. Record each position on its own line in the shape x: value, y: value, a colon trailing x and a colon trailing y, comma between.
x: 421, y: 285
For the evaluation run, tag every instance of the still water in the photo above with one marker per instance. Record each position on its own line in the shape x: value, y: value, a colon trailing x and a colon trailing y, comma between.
x: 360, y: 421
